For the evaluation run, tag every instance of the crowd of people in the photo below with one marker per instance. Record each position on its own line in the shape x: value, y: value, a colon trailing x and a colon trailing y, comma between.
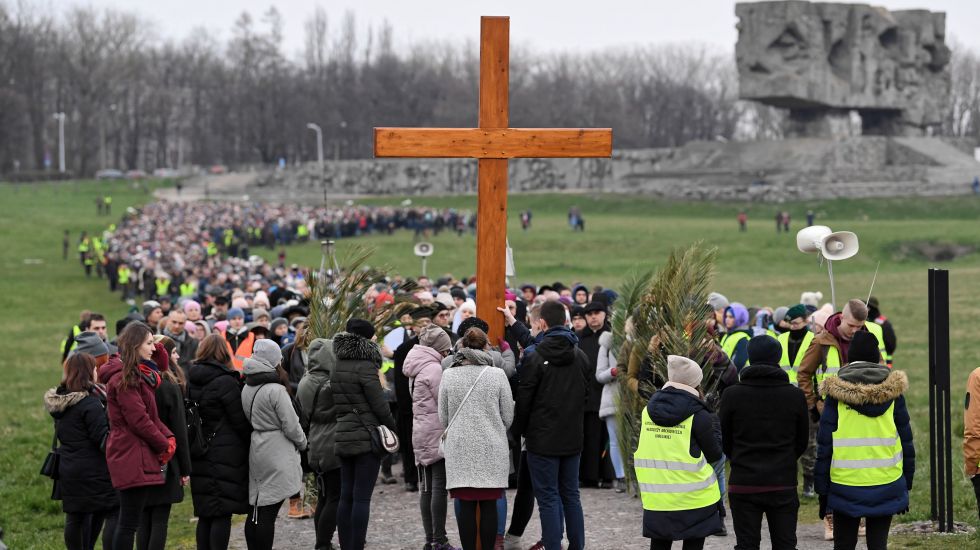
x: 171, y: 250
x: 222, y: 390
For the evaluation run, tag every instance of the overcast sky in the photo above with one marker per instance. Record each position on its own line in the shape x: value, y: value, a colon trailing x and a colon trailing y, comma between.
x: 544, y: 25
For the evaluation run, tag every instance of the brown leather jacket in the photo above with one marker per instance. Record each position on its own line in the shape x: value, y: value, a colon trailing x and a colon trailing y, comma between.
x: 971, y: 424
x: 812, y: 361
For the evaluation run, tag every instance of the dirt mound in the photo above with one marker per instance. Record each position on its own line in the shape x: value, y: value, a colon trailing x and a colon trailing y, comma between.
x: 931, y: 251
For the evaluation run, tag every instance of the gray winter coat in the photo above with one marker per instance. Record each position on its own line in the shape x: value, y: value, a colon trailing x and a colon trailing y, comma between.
x: 603, y: 374
x: 476, y: 445
x: 318, y: 415
x: 274, y: 471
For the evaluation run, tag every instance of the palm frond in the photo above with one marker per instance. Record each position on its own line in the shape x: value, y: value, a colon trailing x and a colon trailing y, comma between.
x: 661, y: 315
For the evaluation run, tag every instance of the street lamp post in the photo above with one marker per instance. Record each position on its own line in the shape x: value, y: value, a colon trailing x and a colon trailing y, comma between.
x: 319, y: 155
x: 60, y: 117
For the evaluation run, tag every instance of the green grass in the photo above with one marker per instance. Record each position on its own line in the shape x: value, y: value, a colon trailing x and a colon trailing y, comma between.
x: 41, y: 301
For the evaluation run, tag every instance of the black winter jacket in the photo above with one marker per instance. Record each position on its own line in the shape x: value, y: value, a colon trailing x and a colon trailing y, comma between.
x: 82, y: 427
x: 170, y: 406
x: 669, y: 407
x: 554, y: 389
x: 219, y: 480
x: 588, y: 342
x: 356, y: 387
x: 403, y: 393
x: 765, y: 428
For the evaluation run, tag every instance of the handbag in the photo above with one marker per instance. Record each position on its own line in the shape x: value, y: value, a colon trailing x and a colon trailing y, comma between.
x: 383, y: 440
x: 52, y: 462
x: 442, y: 438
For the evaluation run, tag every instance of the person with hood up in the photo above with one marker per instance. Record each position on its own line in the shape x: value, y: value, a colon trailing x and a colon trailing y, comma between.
x: 423, y: 367
x: 765, y: 428
x: 361, y: 408
x: 219, y: 477
x: 139, y: 445
x: 87, y: 496
x: 735, y: 342
x: 274, y: 470
x: 822, y: 360
x: 475, y: 409
x: 318, y: 417
x: 678, y: 443
x: 554, y: 390
x: 865, y: 452
x: 169, y: 395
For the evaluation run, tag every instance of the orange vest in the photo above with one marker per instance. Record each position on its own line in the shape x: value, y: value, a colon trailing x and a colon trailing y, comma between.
x: 243, y: 352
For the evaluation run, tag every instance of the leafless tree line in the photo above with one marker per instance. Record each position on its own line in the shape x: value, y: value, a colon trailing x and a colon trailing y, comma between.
x: 134, y: 100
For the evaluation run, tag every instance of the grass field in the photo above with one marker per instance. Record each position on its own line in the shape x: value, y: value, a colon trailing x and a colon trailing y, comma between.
x: 758, y: 267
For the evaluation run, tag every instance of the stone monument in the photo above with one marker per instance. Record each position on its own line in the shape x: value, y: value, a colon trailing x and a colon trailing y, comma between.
x: 824, y: 60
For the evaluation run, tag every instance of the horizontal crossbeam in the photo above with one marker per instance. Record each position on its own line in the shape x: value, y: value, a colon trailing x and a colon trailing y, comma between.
x: 503, y: 143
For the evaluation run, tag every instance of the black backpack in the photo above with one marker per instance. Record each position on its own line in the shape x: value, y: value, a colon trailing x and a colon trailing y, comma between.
x: 197, y: 440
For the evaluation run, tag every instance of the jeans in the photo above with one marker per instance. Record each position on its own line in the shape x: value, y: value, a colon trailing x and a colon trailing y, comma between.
x: 689, y: 544
x: 976, y: 490
x: 260, y: 526
x: 555, y: 482
x: 614, y: 456
x: 82, y: 530
x: 152, y: 534
x: 213, y: 532
x: 846, y: 532
x: 780, y: 509
x: 325, y: 517
x: 131, y: 504
x: 523, y: 500
x: 358, y: 475
x: 720, y: 474
x: 432, y: 501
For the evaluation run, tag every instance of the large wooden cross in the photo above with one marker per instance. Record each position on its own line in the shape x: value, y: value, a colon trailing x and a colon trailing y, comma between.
x: 492, y: 143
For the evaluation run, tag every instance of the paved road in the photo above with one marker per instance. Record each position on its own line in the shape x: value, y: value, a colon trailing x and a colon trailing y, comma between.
x: 612, y: 522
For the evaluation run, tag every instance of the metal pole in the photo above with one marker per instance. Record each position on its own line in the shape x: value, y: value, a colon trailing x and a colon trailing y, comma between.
x: 933, y: 493
x: 833, y: 293
x: 60, y: 117
x: 319, y: 155
x: 423, y: 265
x: 943, y: 376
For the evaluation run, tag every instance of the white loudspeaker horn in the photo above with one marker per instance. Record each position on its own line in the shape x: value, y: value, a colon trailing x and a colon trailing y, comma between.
x: 840, y: 245
x: 810, y: 239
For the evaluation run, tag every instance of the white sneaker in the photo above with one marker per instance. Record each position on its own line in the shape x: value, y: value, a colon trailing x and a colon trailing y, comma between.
x: 512, y: 542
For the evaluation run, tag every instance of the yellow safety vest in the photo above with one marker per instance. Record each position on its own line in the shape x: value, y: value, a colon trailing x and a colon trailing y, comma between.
x: 387, y: 365
x: 212, y: 248
x: 793, y: 366
x: 867, y: 450
x: 108, y: 200
x: 188, y: 288
x: 83, y: 246
x: 832, y: 364
x: 75, y: 331
x: 729, y: 341
x: 302, y: 230
x: 669, y: 477
x: 123, y: 275
x: 163, y: 286
x: 875, y: 328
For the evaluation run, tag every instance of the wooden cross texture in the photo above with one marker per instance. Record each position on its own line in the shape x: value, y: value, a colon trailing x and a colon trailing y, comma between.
x: 492, y: 143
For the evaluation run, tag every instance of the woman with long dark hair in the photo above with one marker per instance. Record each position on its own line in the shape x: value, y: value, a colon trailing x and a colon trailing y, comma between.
x: 87, y: 497
x: 219, y: 477
x: 139, y: 444
x: 170, y: 406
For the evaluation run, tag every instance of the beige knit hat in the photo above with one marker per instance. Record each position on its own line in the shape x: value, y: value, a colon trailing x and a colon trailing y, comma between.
x: 681, y: 370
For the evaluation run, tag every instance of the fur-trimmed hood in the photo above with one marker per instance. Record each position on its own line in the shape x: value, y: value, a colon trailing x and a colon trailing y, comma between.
x: 857, y: 393
x: 353, y: 347
x: 56, y: 402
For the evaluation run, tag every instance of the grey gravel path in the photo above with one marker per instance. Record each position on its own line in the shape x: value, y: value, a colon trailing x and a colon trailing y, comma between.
x: 612, y: 522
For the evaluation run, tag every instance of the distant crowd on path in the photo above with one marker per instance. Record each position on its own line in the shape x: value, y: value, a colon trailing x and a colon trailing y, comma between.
x: 227, y: 394
x: 174, y: 249
x: 783, y: 220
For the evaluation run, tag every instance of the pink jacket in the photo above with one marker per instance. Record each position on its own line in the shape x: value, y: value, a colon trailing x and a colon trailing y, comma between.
x: 423, y: 367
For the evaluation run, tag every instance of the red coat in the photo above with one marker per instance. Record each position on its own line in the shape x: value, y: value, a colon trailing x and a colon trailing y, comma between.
x: 137, y: 437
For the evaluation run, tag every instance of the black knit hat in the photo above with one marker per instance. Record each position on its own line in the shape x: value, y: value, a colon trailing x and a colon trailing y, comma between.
x: 361, y: 328
x: 764, y: 349
x: 467, y: 324
x: 864, y: 347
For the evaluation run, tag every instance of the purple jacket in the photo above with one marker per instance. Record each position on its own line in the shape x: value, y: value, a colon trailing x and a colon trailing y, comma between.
x: 423, y: 367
